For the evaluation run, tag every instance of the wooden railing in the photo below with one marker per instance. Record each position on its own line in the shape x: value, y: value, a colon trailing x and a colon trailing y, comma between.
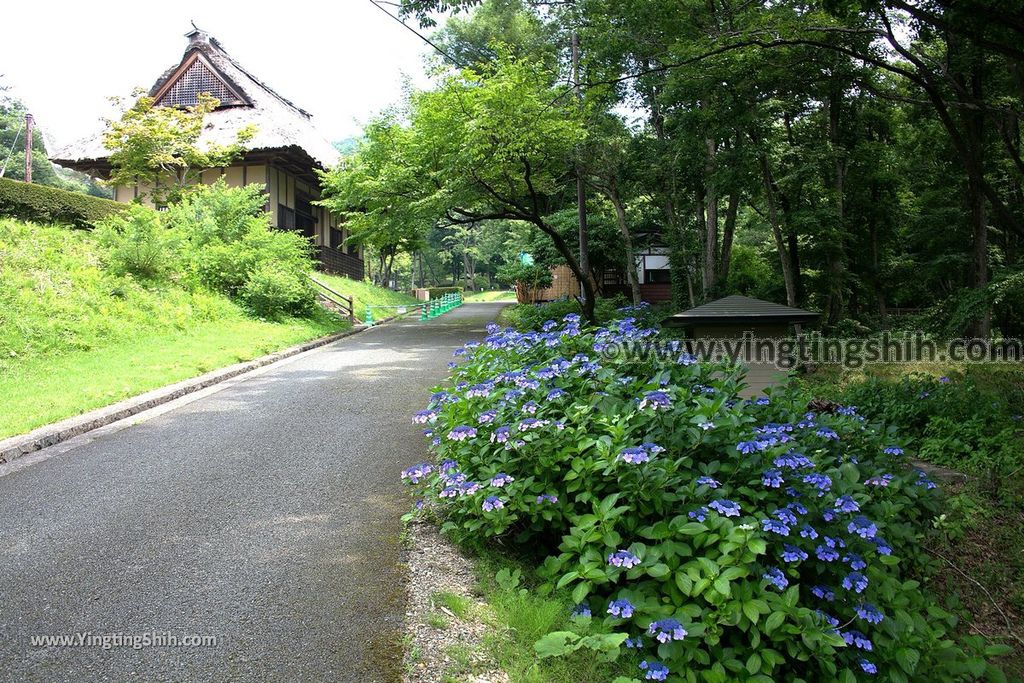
x: 345, y: 304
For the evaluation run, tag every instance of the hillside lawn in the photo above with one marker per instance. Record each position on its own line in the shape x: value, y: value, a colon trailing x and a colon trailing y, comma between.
x: 494, y: 295
x: 364, y: 294
x: 51, y: 387
x: 74, y: 336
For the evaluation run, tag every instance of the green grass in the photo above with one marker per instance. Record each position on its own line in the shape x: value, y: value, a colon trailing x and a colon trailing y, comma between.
x: 457, y: 604
x: 50, y: 387
x: 74, y: 336
x: 496, y: 295
x: 364, y: 294
x: 523, y: 617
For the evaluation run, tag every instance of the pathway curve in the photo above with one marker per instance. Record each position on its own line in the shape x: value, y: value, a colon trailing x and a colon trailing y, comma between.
x: 265, y: 514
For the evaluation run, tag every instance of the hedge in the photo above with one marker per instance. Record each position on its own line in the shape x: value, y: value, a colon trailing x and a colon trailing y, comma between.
x: 436, y: 292
x: 45, y: 204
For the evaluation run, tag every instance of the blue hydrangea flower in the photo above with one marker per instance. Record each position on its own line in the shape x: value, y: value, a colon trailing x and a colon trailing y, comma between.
x: 620, y: 608
x: 793, y: 461
x: 863, y: 527
x: 882, y: 547
x: 828, y: 618
x: 417, y: 472
x: 883, y: 480
x: 846, y: 504
x: 700, y: 514
x: 486, y: 417
x: 822, y: 482
x: 823, y: 592
x: 580, y: 610
x: 746, y: 447
x: 786, y: 516
x: 892, y: 450
x: 725, y: 507
x: 655, y: 671
x: 492, y: 503
x: 461, y: 433
x: 656, y: 400
x: 923, y: 480
x: 772, y: 478
x: 706, y: 425
x: 855, y: 581
x: 790, y: 553
x: 869, y: 613
x: 827, y: 434
x: 547, y: 497
x: 424, y: 416
x: 807, y: 531
x: 798, y: 508
x: 555, y: 394
x: 855, y: 561
x: 449, y: 491
x: 666, y: 630
x: 634, y: 643
x: 479, y: 391
x: 826, y: 554
x: 500, y: 479
x: 500, y: 435
x: 848, y: 411
x: 867, y: 666
x: 858, y: 640
x: 468, y: 488
x: 775, y: 526
x: 530, y: 407
x: 624, y: 559
x: 634, y: 455
x: 710, y: 482
x: 775, y: 577
x: 686, y: 359
x: 762, y: 401
x: 652, y: 448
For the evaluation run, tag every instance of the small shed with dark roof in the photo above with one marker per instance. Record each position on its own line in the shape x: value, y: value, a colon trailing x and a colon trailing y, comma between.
x: 731, y: 318
x: 733, y: 315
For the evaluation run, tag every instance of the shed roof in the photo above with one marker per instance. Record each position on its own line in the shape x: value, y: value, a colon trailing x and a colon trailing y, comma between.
x: 736, y: 309
x: 280, y: 124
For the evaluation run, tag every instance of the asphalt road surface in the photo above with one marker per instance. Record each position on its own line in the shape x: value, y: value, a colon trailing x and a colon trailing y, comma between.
x: 264, y: 513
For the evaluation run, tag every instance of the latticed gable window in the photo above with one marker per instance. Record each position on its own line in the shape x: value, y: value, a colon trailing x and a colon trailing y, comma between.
x: 197, y: 78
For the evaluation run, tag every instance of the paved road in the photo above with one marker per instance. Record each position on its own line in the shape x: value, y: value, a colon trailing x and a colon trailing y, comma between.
x: 266, y: 514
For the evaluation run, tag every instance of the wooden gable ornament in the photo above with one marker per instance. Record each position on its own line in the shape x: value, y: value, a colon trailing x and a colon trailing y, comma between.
x: 197, y: 75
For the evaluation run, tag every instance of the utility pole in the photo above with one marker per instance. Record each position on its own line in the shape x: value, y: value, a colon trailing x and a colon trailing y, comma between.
x: 581, y: 190
x: 29, y: 121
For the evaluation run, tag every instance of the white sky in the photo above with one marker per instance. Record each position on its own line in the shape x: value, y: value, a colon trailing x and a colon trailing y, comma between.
x: 341, y: 60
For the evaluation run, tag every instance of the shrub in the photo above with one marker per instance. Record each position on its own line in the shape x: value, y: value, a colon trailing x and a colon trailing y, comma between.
x: 438, y: 292
x: 232, y: 249
x: 726, y: 539
x: 45, y: 204
x: 272, y: 291
x: 953, y: 421
x: 137, y: 243
x: 525, y: 317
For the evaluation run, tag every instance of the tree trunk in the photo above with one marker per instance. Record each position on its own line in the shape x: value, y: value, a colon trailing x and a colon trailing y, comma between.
x: 711, y: 218
x: 780, y: 242
x: 835, y: 304
x: 612, y: 190
x: 725, y: 256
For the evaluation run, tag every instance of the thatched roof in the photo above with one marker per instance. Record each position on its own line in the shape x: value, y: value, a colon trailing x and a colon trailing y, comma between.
x: 738, y: 309
x: 280, y: 124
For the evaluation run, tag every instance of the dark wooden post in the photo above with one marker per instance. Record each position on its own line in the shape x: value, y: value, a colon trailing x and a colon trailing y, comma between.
x: 28, y: 147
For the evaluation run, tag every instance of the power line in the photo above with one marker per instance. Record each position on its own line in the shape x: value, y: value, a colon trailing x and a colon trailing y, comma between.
x: 416, y: 33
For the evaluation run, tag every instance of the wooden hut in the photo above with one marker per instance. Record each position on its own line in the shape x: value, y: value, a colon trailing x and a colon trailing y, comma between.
x: 284, y: 154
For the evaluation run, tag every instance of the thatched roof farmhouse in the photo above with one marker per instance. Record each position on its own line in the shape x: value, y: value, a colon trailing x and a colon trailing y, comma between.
x: 283, y: 154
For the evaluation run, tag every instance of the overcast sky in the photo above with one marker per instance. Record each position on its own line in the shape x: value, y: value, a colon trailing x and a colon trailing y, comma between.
x: 341, y: 60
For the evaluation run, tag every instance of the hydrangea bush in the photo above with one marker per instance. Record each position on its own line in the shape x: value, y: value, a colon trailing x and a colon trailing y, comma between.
x: 721, y: 538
